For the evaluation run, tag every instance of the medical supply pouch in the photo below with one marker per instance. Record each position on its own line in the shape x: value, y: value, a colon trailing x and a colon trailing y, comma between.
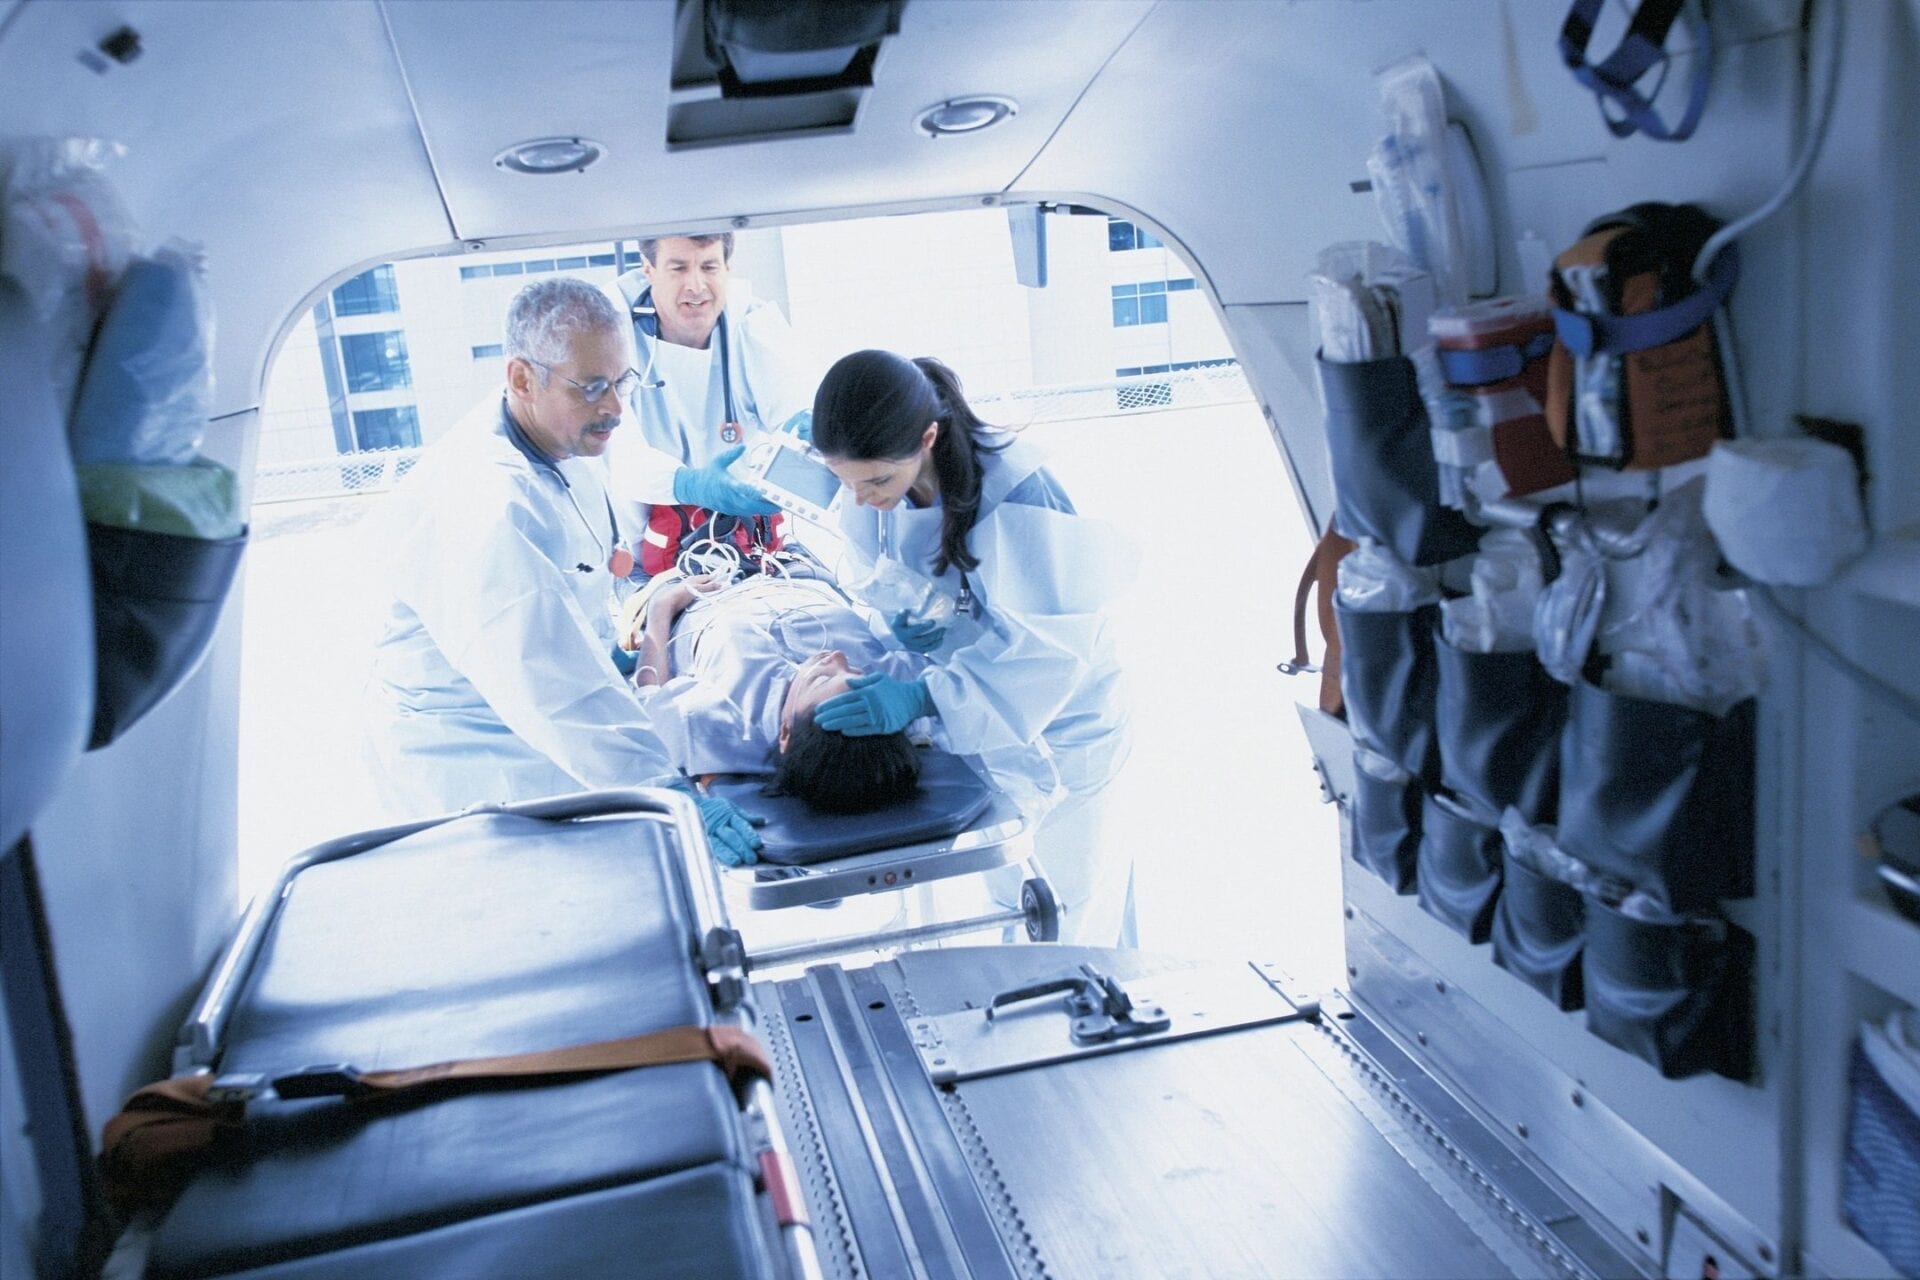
x: 1494, y: 353
x: 1676, y: 992
x: 1634, y: 381
x: 1498, y: 719
x: 673, y: 528
x: 1539, y: 931
x: 1659, y: 795
x: 1459, y: 867
x: 157, y: 598
x: 1386, y: 483
x: 1385, y: 819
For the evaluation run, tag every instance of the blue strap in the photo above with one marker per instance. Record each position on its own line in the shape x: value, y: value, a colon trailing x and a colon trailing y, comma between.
x: 1641, y: 50
x: 1485, y: 365
x: 1584, y: 333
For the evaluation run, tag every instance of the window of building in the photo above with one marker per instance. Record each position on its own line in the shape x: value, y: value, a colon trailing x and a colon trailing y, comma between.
x: 370, y: 293
x: 509, y: 268
x: 1144, y: 303
x: 488, y: 350
x: 375, y: 361
x: 395, y: 428
x: 538, y: 265
x: 1180, y: 286
x: 602, y: 260
x: 1123, y: 235
x: 569, y: 264
x: 475, y: 273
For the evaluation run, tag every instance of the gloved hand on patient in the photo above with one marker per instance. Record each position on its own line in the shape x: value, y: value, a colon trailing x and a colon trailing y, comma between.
x: 716, y: 489
x: 875, y: 703
x: 916, y: 636
x: 730, y: 829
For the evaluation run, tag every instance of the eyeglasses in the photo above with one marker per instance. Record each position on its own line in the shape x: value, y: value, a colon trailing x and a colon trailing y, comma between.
x: 592, y: 389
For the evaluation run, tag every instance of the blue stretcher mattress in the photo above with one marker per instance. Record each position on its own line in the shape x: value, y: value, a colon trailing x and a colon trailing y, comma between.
x: 489, y: 935
x: 950, y: 798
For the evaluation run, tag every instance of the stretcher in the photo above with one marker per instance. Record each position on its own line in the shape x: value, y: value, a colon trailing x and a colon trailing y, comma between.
x: 953, y: 825
x: 1007, y: 1111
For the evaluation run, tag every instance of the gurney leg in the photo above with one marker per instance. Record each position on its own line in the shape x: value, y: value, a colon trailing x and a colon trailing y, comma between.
x: 1038, y: 912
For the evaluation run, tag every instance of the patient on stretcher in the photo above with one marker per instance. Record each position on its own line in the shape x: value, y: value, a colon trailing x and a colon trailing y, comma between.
x: 732, y: 674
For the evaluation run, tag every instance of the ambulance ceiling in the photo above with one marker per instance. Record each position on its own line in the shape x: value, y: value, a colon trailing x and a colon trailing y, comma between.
x: 301, y: 139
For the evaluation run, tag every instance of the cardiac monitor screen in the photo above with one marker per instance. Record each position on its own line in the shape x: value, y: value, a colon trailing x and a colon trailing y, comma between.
x: 801, y: 476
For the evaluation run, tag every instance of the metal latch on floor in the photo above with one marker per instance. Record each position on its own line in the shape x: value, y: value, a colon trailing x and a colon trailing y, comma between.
x: 1100, y: 1007
x: 1094, y: 1013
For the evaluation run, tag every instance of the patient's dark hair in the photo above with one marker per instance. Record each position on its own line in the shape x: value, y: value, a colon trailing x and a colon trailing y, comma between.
x: 836, y: 773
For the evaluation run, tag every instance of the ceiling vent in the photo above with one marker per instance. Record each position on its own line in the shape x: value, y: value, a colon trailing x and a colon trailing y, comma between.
x: 749, y: 70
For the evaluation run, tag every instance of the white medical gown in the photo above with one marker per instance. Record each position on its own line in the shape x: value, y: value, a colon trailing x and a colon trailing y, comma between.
x: 772, y: 374
x: 732, y: 659
x: 493, y: 679
x: 1029, y: 684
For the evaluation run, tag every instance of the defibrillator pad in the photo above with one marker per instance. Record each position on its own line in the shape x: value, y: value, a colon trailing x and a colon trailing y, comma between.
x: 784, y: 472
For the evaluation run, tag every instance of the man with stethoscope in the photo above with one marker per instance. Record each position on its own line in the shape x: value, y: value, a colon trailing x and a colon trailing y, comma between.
x: 493, y: 680
x: 718, y: 366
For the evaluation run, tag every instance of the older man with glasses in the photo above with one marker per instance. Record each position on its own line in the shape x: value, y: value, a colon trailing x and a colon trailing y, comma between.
x: 493, y: 679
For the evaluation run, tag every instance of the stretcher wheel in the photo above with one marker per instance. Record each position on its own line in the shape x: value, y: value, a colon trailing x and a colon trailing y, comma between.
x: 1043, y: 910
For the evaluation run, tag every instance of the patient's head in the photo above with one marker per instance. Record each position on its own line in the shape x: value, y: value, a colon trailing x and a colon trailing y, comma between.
x: 831, y: 771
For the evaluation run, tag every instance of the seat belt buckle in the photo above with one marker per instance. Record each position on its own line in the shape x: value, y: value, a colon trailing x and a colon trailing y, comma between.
x: 237, y: 1088
x: 324, y: 1080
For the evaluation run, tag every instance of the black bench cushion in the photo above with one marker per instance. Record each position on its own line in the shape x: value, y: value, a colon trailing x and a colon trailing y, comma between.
x: 487, y: 936
x: 695, y: 1225
x: 950, y: 798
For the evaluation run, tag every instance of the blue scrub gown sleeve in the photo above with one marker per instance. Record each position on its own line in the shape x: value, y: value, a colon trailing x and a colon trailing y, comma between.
x: 505, y: 617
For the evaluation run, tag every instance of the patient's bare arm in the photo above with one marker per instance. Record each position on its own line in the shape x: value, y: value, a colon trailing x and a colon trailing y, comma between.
x: 662, y: 612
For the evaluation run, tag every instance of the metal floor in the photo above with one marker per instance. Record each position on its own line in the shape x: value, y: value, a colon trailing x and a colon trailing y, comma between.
x: 1294, y: 1148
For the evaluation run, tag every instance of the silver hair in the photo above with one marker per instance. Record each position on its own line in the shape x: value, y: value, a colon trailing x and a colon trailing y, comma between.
x: 548, y: 316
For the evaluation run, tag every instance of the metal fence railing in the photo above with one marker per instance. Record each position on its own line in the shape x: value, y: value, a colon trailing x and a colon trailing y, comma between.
x: 376, y: 470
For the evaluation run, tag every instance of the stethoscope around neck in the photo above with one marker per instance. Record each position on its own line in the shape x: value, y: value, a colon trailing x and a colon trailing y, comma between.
x: 647, y: 317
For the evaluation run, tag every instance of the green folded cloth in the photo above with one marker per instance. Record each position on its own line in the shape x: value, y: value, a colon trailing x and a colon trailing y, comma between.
x: 197, y: 500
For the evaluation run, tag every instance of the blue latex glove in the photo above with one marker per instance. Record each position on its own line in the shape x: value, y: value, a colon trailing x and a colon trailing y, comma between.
x: 714, y: 488
x: 800, y: 424
x: 875, y: 703
x: 730, y: 829
x: 916, y: 637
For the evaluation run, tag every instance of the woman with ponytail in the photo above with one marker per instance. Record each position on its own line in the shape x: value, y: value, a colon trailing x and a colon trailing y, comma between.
x: 958, y: 534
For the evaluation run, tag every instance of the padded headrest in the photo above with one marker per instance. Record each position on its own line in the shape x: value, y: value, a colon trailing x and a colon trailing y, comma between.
x: 950, y: 798
x: 46, y: 624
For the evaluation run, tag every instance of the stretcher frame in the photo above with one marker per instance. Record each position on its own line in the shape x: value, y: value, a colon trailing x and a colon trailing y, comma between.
x: 719, y: 956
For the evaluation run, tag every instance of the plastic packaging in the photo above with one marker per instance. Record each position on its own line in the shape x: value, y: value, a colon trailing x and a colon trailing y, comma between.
x: 198, y: 500
x: 893, y: 586
x: 1785, y: 511
x: 1373, y: 580
x: 64, y: 239
x: 1537, y: 848
x: 1412, y: 182
x: 1369, y: 301
x: 1677, y: 636
x: 1567, y: 616
x: 147, y: 388
x: 1504, y: 589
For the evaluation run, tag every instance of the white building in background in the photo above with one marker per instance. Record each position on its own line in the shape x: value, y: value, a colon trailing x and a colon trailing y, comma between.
x: 396, y: 355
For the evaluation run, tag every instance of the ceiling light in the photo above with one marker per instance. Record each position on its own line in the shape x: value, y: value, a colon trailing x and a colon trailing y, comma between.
x: 964, y: 115
x: 550, y: 155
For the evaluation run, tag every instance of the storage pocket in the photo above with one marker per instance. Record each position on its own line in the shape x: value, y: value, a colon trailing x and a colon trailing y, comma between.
x: 1676, y: 993
x: 1385, y: 481
x: 156, y: 600
x: 1498, y: 718
x: 1387, y: 679
x: 1459, y: 875
x: 1880, y: 1185
x: 1659, y: 795
x: 1538, y: 932
x: 1386, y: 820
